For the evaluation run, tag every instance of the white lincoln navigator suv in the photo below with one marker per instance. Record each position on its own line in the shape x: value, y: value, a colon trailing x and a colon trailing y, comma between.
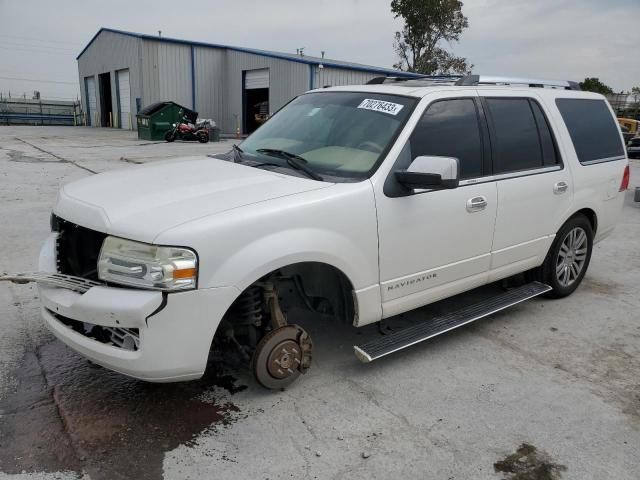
x: 360, y: 202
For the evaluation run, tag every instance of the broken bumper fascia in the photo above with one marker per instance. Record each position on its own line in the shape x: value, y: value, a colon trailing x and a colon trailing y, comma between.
x: 176, y: 329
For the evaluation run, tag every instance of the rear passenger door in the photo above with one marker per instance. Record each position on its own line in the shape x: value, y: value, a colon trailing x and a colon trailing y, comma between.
x: 534, y: 188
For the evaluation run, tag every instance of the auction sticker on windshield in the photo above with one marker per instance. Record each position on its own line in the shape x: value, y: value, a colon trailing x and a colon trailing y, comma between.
x: 381, y: 106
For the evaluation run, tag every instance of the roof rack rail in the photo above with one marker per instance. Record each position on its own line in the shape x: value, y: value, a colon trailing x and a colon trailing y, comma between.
x: 472, y: 80
x: 425, y: 80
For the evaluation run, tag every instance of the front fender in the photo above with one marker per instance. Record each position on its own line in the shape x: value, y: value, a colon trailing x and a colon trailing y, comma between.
x: 266, y: 254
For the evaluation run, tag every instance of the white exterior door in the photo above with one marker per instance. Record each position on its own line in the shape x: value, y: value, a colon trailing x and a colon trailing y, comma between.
x: 437, y: 243
x: 256, y: 79
x: 124, y: 98
x: 90, y: 83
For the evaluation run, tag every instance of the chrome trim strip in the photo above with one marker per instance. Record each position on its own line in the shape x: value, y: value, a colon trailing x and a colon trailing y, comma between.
x: 59, y: 280
x: 603, y: 160
x: 504, y: 176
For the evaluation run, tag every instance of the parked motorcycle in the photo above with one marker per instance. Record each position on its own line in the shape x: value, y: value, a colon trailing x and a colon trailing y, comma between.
x: 188, y: 131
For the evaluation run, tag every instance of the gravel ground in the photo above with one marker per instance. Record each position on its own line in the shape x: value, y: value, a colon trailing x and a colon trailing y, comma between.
x: 545, y: 390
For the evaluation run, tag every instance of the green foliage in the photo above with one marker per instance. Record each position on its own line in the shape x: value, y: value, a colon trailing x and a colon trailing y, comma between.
x: 427, y: 23
x: 593, y: 84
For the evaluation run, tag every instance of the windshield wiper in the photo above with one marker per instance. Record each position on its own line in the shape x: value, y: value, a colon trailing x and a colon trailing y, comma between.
x: 293, y: 160
x: 238, y: 153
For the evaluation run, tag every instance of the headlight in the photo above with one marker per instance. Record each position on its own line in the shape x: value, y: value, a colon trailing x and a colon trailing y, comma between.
x: 148, y: 266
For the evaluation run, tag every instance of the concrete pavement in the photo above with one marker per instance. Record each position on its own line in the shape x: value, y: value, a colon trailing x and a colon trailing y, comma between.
x: 560, y: 376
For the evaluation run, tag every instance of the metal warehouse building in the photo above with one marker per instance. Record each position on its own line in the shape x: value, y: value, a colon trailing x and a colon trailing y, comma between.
x: 121, y: 72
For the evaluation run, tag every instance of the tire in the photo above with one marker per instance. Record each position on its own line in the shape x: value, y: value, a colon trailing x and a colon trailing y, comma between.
x: 203, y: 137
x: 568, y: 258
x: 169, y: 136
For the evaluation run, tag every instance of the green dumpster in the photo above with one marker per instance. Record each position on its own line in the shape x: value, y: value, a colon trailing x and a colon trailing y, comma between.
x: 155, y: 119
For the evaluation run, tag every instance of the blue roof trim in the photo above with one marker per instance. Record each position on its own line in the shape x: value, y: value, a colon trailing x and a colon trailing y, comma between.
x: 281, y: 56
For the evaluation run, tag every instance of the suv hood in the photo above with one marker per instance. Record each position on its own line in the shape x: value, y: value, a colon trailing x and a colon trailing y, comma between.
x: 141, y: 202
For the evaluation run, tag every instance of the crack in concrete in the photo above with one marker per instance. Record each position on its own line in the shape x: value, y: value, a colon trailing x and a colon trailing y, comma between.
x: 592, y: 381
x: 61, y: 159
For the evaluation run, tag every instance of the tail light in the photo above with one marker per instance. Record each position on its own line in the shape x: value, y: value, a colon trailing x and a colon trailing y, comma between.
x: 625, y: 179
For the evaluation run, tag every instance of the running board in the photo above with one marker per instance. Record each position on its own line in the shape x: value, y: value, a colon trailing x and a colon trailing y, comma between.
x: 387, y: 344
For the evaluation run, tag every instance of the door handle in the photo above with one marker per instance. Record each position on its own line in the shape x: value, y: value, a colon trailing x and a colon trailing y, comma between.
x: 476, y: 204
x: 560, y: 187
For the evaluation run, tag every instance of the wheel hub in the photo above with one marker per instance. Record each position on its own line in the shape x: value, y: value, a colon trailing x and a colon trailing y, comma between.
x: 281, y: 356
x: 284, y: 359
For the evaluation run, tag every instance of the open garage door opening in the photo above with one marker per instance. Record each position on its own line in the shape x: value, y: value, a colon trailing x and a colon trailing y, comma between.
x: 255, y: 99
x: 106, y: 108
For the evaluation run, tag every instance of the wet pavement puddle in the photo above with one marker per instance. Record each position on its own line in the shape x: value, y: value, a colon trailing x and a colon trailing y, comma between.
x: 69, y: 415
x: 529, y: 463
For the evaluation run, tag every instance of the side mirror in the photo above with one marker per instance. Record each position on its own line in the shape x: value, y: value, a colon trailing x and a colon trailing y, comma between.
x: 430, y: 172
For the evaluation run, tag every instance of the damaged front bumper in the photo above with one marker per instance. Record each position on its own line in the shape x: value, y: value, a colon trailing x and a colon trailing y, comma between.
x: 145, y: 334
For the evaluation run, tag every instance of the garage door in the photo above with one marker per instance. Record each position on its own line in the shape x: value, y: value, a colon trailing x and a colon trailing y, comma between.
x: 256, y: 79
x: 124, y: 97
x: 90, y: 91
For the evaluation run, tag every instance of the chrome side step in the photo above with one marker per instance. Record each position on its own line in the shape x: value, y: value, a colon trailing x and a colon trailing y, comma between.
x: 387, y: 344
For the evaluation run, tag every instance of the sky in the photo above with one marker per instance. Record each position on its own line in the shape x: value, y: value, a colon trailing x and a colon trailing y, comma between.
x: 556, y: 39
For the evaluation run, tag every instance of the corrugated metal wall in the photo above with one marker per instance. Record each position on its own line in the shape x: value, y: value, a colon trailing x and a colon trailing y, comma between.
x: 210, y: 83
x: 174, y: 72
x: 108, y: 53
x: 150, y: 79
x: 334, y: 77
x: 162, y: 71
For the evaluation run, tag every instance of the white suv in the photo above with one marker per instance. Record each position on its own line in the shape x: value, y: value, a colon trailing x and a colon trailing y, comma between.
x: 360, y: 202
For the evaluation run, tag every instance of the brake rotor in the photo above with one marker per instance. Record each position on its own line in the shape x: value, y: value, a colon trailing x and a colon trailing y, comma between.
x: 281, y: 356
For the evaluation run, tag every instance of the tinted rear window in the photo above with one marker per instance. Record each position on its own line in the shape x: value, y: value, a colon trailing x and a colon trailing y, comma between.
x: 517, y: 145
x: 593, y: 130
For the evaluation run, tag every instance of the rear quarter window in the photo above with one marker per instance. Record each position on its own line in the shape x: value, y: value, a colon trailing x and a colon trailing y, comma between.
x: 593, y: 130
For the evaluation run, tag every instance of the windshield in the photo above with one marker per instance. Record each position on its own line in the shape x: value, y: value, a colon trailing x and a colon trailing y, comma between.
x: 336, y: 134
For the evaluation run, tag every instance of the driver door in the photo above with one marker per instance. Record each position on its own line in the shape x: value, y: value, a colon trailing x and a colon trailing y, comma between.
x: 437, y: 243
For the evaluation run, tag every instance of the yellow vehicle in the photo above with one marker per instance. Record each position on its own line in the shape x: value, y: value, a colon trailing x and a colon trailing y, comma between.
x: 631, y: 127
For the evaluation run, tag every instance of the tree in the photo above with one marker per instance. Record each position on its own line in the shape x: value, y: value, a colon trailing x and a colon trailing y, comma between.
x: 428, y: 23
x: 593, y: 84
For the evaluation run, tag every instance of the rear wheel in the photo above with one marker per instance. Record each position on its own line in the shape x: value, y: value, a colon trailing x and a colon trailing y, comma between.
x: 203, y: 136
x: 568, y: 258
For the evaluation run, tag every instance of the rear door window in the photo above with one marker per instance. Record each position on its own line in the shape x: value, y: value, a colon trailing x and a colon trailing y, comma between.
x: 592, y: 128
x: 549, y: 152
x: 517, y: 144
x: 450, y: 128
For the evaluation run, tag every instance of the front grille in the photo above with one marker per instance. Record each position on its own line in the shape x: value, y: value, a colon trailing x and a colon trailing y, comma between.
x: 125, y: 338
x: 77, y: 249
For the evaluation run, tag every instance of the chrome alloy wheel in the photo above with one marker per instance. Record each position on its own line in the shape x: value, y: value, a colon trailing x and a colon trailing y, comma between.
x: 572, y: 256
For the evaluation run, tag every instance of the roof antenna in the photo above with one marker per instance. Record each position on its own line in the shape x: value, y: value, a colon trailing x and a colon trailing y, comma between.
x: 321, y: 65
x: 159, y: 33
